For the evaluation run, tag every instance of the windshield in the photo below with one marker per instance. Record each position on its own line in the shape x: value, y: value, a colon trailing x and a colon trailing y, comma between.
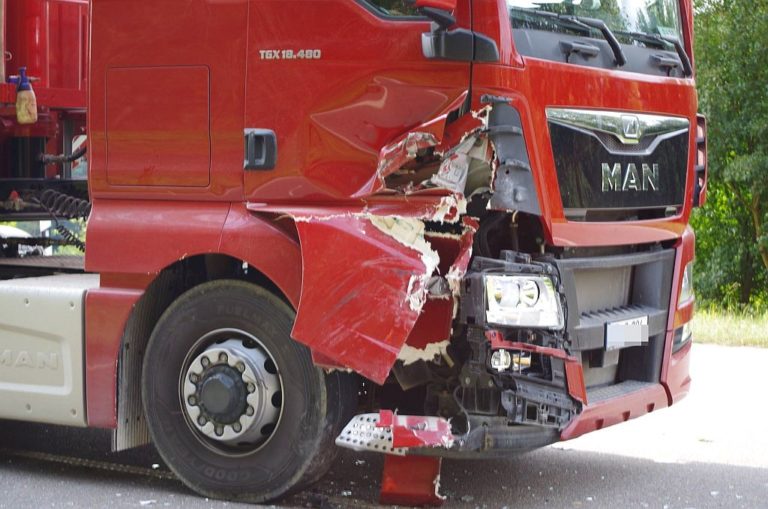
x: 623, y: 17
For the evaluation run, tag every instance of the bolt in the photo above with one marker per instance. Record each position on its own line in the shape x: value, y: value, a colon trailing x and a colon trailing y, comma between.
x: 202, y: 421
x: 223, y: 357
x: 251, y: 387
x: 205, y: 361
x: 249, y: 411
x: 240, y: 367
x: 236, y: 426
x: 192, y: 400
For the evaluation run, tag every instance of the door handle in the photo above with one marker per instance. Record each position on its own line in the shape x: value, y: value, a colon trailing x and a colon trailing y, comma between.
x: 260, y: 149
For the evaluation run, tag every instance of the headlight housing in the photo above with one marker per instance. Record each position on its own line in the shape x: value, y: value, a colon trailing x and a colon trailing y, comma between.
x: 686, y: 287
x: 523, y: 301
x: 687, y: 332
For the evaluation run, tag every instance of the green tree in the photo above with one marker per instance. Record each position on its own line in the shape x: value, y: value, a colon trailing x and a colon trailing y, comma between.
x: 732, y: 76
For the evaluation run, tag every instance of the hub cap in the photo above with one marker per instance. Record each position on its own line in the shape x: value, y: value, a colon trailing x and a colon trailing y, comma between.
x: 232, y: 392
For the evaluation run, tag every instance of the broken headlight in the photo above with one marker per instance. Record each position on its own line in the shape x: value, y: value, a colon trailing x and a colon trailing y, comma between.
x: 522, y: 301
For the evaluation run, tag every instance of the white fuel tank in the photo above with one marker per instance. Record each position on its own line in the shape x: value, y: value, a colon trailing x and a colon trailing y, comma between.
x: 42, y: 348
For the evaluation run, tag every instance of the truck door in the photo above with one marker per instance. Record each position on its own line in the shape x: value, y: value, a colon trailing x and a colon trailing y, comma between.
x: 335, y: 80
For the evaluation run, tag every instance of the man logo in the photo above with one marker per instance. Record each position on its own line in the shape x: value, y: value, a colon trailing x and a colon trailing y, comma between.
x: 616, y: 178
x: 630, y: 125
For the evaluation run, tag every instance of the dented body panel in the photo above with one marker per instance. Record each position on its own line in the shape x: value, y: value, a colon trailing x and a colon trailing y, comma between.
x: 393, y: 190
x: 378, y: 167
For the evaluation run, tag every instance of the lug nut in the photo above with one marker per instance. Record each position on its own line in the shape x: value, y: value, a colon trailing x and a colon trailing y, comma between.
x: 202, y: 421
x: 223, y: 357
x: 193, y: 378
x: 249, y: 411
x: 251, y: 387
x: 192, y: 400
x: 205, y: 361
x: 236, y: 426
x: 219, y: 430
x: 240, y: 367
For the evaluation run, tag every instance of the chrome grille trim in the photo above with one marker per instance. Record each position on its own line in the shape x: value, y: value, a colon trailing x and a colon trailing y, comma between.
x: 628, y: 128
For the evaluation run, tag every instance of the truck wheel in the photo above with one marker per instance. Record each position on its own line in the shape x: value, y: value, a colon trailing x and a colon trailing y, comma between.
x: 235, y: 407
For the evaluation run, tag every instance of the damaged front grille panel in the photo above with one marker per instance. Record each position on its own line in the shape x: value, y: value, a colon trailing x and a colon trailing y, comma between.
x: 532, y: 386
x: 607, y: 289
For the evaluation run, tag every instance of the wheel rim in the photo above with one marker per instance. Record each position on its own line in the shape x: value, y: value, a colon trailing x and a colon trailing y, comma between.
x: 231, y: 392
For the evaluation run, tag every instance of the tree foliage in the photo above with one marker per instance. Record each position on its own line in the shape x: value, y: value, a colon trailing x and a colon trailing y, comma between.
x: 732, y: 76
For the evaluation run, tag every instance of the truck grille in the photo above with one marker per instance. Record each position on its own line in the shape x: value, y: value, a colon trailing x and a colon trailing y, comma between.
x: 605, y: 289
x: 600, y: 170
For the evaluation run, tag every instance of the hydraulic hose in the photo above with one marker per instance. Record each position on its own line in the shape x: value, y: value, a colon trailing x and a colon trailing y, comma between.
x: 64, y: 158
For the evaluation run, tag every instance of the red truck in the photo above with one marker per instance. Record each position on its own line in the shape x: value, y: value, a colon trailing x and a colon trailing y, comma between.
x: 446, y: 228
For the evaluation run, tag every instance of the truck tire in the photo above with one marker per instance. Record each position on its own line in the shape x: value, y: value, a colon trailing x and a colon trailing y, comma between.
x: 235, y: 407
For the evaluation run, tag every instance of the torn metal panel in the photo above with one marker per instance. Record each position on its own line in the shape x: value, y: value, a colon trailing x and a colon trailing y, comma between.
x: 415, y: 431
x: 394, y: 156
x: 417, y: 141
x: 470, y: 158
x: 435, y: 205
x: 389, y: 433
x: 574, y: 373
x: 461, y: 262
x: 410, y: 355
x: 431, y: 334
x: 410, y: 233
x: 364, y: 283
x: 411, y: 481
x: 432, y: 327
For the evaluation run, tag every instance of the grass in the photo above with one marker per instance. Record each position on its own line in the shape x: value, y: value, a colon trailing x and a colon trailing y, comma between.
x: 730, y: 329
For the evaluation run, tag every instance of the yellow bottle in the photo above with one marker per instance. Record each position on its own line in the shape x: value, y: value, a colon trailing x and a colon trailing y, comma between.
x: 26, y: 102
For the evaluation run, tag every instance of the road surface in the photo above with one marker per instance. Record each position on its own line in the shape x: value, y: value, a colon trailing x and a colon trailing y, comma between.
x: 711, y: 450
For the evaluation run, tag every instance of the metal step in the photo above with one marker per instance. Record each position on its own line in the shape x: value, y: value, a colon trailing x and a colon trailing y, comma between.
x: 606, y: 392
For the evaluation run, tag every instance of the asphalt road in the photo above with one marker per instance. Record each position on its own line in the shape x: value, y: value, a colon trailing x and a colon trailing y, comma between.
x: 711, y: 450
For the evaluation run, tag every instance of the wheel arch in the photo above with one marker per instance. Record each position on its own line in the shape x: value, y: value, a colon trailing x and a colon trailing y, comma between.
x: 162, y: 292
x: 261, y: 250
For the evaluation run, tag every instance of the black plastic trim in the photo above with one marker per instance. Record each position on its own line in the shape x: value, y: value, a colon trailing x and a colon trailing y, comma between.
x: 514, y: 188
x: 547, y: 45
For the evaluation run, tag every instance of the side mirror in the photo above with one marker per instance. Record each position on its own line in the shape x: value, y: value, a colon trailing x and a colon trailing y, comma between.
x: 459, y: 44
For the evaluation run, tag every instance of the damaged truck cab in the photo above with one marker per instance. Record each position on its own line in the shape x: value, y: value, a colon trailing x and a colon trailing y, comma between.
x: 441, y: 228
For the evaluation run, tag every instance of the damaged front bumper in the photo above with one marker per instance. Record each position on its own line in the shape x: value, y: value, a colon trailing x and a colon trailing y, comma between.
x: 518, y: 387
x: 392, y: 290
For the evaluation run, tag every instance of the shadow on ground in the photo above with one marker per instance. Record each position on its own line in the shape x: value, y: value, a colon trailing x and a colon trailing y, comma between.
x: 58, y: 467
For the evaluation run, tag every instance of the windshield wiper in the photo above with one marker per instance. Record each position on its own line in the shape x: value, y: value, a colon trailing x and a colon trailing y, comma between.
x: 600, y: 26
x: 585, y: 24
x: 662, y: 41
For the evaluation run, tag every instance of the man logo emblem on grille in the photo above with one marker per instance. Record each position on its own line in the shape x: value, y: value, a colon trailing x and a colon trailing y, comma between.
x: 631, y: 127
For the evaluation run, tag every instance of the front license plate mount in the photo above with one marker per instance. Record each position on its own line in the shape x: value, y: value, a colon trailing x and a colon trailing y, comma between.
x: 626, y: 333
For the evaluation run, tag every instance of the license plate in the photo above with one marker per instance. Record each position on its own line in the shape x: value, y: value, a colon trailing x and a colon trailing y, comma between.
x: 626, y: 333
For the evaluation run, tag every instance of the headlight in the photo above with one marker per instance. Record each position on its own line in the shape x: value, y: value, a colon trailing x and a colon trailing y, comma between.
x: 522, y: 301
x: 687, y: 332
x: 686, y: 288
